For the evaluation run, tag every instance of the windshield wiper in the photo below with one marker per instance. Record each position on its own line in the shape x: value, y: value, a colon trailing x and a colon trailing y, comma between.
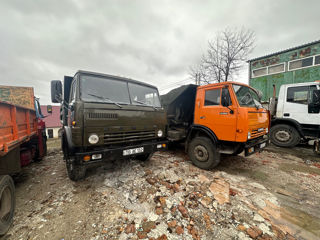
x: 105, y: 98
x: 145, y: 104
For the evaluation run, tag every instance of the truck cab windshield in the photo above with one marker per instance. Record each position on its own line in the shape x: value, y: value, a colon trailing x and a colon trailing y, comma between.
x: 246, y: 96
x: 107, y: 90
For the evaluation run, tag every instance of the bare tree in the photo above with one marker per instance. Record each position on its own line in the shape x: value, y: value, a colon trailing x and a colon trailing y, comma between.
x: 225, y: 56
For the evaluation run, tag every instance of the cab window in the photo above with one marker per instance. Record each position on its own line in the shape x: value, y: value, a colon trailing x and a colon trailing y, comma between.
x: 299, y: 94
x: 212, y: 97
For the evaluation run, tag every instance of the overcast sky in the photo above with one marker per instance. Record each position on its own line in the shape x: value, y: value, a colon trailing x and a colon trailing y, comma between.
x: 151, y: 41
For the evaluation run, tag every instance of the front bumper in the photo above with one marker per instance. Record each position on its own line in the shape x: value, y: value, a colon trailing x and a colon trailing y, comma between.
x: 256, y: 145
x: 112, y: 154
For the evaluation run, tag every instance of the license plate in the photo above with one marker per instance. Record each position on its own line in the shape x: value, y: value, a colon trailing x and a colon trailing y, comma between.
x: 133, y: 151
x: 262, y: 145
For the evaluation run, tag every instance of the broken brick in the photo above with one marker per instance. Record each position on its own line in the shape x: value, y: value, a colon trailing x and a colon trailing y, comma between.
x: 220, y: 190
x: 179, y: 230
x: 151, y: 181
x: 183, y: 211
x: 159, y: 210
x: 130, y: 228
x: 172, y: 224
x: 162, y: 237
x: 142, y: 235
x: 241, y: 228
x: 148, y: 226
x: 254, y: 232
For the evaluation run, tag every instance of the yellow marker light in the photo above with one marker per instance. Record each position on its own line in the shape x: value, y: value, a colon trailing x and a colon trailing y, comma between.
x: 86, y: 158
x: 164, y: 145
x: 251, y: 150
x: 73, y: 123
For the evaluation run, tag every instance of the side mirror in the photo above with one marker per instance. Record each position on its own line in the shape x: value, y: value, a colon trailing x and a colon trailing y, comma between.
x: 56, y: 91
x: 225, y: 97
x: 49, y: 109
x: 314, y: 104
x: 260, y: 94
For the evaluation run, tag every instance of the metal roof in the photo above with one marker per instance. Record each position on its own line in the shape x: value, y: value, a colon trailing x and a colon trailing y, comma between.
x: 287, y: 50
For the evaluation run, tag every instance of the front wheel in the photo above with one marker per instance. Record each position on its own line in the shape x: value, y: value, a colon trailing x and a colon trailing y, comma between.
x: 283, y: 135
x: 75, y: 172
x: 203, y: 153
x: 144, y: 157
x: 7, y: 203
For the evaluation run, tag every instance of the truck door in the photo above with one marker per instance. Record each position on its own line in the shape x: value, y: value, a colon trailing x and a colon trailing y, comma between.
x: 296, y: 105
x: 211, y: 114
x: 71, y: 103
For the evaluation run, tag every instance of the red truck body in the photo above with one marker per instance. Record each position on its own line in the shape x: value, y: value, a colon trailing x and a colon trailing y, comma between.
x: 20, y: 126
x: 22, y: 138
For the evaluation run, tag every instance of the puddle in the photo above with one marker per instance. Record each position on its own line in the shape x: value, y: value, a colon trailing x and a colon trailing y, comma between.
x: 250, y: 173
x: 289, y: 167
x: 303, y: 220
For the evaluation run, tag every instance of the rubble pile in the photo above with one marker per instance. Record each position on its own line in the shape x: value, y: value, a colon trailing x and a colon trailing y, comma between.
x: 164, y: 198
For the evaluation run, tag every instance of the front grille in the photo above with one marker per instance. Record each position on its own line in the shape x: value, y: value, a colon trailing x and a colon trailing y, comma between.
x: 102, y: 115
x: 256, y: 133
x: 128, y: 136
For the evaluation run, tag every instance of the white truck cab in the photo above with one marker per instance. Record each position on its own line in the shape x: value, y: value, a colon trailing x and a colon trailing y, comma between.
x: 295, y: 114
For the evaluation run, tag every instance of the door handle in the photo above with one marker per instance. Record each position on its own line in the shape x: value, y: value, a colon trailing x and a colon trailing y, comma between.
x: 286, y: 114
x: 203, y: 117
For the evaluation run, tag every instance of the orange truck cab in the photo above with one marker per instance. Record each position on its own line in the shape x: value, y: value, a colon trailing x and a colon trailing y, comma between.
x: 216, y: 118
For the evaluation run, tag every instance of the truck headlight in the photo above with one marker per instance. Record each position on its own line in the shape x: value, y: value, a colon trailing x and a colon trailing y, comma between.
x: 93, y: 138
x: 160, y: 133
x: 249, y: 135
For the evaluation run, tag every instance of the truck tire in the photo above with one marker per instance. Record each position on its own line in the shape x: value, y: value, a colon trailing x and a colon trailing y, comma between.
x: 203, y: 153
x: 240, y: 150
x: 7, y: 203
x: 75, y: 172
x: 144, y: 157
x: 283, y: 135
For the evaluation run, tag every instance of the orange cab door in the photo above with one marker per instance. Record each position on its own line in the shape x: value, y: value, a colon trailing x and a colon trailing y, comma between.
x: 211, y: 114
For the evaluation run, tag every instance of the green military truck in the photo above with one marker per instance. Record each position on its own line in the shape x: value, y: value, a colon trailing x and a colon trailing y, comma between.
x: 106, y: 118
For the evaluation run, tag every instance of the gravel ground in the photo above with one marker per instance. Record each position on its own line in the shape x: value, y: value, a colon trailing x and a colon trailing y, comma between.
x: 270, y: 195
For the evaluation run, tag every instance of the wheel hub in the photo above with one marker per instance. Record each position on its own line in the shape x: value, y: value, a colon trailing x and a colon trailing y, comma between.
x: 201, y: 153
x: 283, y: 136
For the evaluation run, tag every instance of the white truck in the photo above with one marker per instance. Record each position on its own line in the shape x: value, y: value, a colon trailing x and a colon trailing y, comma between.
x: 295, y: 114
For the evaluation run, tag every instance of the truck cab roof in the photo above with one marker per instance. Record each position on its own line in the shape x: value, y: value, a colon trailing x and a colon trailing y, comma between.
x: 113, y: 77
x: 222, y: 84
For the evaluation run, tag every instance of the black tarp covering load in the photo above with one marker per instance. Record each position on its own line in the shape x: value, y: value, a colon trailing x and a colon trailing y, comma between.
x: 179, y: 104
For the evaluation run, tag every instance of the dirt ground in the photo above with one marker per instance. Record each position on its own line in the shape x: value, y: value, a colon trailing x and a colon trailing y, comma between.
x: 270, y: 195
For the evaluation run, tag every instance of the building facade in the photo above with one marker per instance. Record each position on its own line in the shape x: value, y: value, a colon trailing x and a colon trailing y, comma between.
x: 53, y: 124
x: 294, y: 65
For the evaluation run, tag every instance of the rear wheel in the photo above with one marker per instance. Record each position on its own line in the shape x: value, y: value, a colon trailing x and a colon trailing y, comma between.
x: 283, y: 135
x: 203, y: 153
x: 7, y: 203
x: 75, y: 172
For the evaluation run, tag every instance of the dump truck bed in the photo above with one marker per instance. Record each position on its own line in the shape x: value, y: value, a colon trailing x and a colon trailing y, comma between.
x: 179, y: 104
x: 18, y: 121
